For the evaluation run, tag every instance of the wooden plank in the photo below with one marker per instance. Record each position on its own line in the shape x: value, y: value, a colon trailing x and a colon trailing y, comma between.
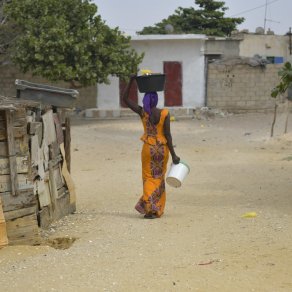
x: 23, y: 183
x: 17, y: 103
x: 49, y: 127
x: 33, y: 127
x: 41, y: 169
x: 67, y: 143
x: 44, y: 195
x: 23, y: 230
x: 45, y: 217
x: 63, y: 207
x: 3, y: 235
x: 18, y: 132
x: 34, y: 150
x: 3, y: 125
x: 57, y: 160
x: 11, y: 153
x: 25, y: 199
x: 2, y: 218
x: 58, y: 177
x: 68, y: 179
x: 21, y: 147
x: 19, y: 114
x: 45, y: 155
x: 21, y: 165
x: 19, y: 123
x: 54, y: 150
x: 36, y: 128
x: 63, y: 192
x: 19, y: 213
x: 33, y: 173
x: 59, y: 130
x: 53, y: 186
x: 3, y: 148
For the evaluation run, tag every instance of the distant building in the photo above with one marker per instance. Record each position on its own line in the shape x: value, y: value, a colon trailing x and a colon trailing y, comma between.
x: 276, y: 48
x: 181, y: 57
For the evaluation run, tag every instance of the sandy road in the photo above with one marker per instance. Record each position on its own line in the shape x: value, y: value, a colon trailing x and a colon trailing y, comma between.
x: 201, y: 243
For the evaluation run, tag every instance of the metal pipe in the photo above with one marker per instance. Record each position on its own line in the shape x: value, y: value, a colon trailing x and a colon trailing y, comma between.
x: 290, y: 41
x: 265, y: 21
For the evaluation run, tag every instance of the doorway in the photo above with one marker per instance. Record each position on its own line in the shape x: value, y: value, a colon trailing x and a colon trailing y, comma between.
x: 133, y: 94
x: 173, y: 83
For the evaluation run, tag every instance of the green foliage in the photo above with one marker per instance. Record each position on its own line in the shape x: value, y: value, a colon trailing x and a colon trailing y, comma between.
x: 67, y: 40
x: 285, y: 80
x: 8, y: 32
x: 208, y: 19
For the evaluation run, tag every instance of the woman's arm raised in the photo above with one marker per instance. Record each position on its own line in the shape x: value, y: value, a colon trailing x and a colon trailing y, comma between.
x: 130, y: 103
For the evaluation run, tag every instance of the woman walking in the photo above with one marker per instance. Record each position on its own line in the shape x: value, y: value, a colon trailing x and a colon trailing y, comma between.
x: 155, y: 152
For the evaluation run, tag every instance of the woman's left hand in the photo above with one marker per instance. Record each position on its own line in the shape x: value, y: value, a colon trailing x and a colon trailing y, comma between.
x: 175, y: 159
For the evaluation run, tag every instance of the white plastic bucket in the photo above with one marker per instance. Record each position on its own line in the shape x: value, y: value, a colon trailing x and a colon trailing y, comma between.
x: 177, y: 173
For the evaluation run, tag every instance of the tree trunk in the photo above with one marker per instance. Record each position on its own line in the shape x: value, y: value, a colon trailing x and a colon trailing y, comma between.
x: 274, y: 120
x: 287, y: 117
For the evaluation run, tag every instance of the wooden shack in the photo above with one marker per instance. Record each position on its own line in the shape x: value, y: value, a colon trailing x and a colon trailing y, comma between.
x: 35, y: 184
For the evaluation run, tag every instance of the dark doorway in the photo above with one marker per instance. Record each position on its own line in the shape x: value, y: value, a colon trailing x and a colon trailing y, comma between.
x: 173, y: 84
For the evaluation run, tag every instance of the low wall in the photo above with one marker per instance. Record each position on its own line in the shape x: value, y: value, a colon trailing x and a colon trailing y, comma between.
x: 241, y: 87
x: 8, y: 74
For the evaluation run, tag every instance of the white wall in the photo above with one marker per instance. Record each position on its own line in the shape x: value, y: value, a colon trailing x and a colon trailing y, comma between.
x: 108, y: 96
x: 190, y: 52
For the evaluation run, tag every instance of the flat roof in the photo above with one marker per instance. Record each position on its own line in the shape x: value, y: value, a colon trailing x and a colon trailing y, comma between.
x: 159, y: 37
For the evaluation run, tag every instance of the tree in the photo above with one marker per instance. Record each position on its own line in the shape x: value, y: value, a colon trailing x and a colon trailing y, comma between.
x: 8, y: 32
x: 67, y: 40
x: 208, y: 19
x: 278, y: 92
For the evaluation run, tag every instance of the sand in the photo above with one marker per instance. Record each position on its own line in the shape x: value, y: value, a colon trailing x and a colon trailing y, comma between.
x: 202, y: 243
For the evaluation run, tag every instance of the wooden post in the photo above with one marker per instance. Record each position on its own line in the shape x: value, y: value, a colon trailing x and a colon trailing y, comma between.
x: 11, y: 152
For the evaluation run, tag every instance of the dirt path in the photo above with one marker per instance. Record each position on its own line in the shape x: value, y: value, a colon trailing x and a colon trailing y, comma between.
x: 201, y: 244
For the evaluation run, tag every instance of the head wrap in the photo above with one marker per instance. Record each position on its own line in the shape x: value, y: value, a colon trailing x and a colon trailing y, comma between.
x: 150, y: 100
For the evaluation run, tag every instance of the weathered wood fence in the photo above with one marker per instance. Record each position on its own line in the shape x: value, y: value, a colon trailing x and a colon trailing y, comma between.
x: 35, y: 184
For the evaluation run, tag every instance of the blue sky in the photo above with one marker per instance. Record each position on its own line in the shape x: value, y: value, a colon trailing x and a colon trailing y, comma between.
x: 132, y: 15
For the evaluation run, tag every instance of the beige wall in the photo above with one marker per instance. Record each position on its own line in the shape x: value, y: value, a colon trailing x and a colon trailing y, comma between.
x: 225, y: 47
x: 8, y: 74
x: 241, y: 87
x: 265, y: 45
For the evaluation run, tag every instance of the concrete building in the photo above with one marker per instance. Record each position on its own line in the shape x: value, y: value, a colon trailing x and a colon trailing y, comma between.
x: 180, y: 57
x: 276, y: 48
x: 244, y: 83
x: 221, y: 47
x: 186, y: 59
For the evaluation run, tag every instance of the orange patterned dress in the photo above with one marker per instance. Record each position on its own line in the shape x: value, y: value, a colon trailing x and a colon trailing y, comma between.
x: 154, y: 158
